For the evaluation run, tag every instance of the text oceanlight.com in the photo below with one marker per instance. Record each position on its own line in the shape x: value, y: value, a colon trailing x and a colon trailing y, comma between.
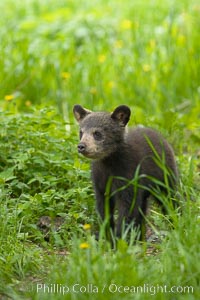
x: 112, y: 288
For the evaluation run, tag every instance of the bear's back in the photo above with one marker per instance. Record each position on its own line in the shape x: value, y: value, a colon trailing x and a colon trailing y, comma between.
x: 150, y: 149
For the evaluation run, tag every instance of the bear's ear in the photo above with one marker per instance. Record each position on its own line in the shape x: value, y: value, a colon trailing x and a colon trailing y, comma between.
x: 80, y: 113
x: 121, y: 114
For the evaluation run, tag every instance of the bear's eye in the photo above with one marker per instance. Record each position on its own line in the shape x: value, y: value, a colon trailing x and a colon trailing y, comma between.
x: 97, y: 135
x: 80, y: 134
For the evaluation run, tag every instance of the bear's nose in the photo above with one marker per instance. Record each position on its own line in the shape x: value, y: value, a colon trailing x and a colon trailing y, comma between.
x: 81, y: 148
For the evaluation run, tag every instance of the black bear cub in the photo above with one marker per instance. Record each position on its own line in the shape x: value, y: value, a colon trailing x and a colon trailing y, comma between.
x: 119, y: 156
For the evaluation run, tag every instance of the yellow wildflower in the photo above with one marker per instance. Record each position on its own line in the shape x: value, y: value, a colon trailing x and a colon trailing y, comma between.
x: 126, y: 24
x: 9, y: 97
x: 118, y: 44
x: 28, y: 103
x: 146, y: 68
x: 65, y: 75
x: 93, y: 91
x: 84, y: 246
x: 152, y: 44
x: 86, y: 226
x: 111, y: 84
x: 101, y: 58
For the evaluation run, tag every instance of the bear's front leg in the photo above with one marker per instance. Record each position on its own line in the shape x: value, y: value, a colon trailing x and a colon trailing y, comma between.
x: 131, y: 213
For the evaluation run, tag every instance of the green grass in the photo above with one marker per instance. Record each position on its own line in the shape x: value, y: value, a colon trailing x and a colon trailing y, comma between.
x: 100, y: 54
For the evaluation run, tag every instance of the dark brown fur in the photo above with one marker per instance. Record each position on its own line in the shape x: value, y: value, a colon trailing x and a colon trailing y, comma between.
x: 118, y: 153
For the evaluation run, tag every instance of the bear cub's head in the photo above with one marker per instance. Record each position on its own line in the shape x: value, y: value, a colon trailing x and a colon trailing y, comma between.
x: 101, y: 133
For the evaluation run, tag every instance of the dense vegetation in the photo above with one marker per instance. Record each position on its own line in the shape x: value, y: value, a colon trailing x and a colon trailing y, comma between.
x: 54, y: 54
